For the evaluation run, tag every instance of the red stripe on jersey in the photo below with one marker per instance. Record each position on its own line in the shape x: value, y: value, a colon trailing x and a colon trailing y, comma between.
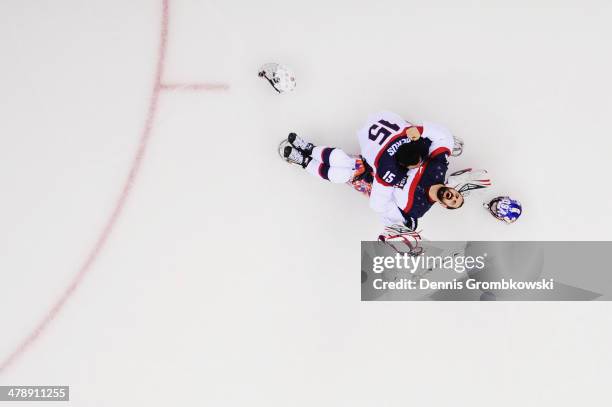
x: 417, y: 178
x: 391, y: 141
x: 438, y: 151
x: 413, y: 185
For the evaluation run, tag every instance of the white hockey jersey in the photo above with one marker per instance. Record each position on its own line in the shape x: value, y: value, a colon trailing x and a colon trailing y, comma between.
x: 379, y: 140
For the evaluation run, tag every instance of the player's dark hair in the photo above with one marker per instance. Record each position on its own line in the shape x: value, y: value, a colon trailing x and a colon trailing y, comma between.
x: 409, y: 154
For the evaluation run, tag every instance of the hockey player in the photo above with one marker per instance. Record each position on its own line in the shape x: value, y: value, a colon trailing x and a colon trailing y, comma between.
x: 388, y: 144
x: 424, y: 187
x: 390, y: 147
x: 334, y: 165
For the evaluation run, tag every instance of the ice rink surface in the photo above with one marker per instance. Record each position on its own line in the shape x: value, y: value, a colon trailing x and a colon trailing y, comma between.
x: 154, y: 250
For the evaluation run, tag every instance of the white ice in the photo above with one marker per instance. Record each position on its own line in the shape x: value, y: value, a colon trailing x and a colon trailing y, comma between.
x: 231, y: 278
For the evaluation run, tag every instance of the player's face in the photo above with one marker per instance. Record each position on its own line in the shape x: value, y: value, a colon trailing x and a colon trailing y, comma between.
x: 450, y: 197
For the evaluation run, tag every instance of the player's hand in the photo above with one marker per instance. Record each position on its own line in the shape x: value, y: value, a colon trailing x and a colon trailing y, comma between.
x: 411, y: 224
x: 413, y: 133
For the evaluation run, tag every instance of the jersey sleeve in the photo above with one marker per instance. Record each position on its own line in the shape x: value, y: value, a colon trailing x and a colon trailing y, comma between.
x: 382, y: 202
x: 437, y: 168
x: 442, y: 140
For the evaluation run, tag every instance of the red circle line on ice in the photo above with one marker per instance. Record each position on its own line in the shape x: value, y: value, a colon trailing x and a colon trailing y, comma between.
x: 158, y: 87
